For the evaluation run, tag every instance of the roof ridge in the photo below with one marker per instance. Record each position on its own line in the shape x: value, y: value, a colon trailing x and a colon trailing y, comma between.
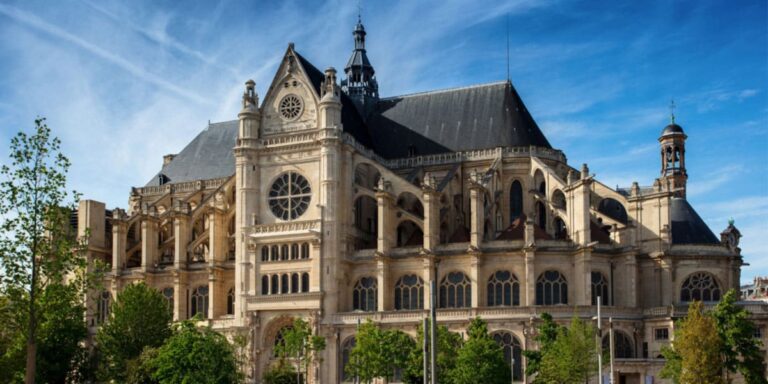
x: 500, y: 82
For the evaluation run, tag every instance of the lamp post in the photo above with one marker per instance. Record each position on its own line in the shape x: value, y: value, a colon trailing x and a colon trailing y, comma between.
x: 599, y: 343
x: 433, y: 326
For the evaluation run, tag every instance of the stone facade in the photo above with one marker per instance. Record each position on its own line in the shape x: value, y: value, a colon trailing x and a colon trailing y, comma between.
x: 307, y: 220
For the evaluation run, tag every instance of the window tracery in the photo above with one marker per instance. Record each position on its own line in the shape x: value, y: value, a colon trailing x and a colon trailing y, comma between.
x: 700, y: 286
x: 365, y: 295
x: 503, y: 289
x: 599, y: 288
x: 551, y: 289
x: 512, y: 350
x: 409, y: 293
x: 289, y: 196
x: 199, y: 302
x: 455, y: 291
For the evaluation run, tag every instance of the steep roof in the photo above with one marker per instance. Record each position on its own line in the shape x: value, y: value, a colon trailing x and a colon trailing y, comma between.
x: 687, y: 226
x: 207, y: 156
x: 481, y: 116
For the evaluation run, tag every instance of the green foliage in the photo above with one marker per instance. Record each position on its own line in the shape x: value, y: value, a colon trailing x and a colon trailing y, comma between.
x: 448, y: 344
x: 139, y: 318
x: 740, y: 349
x: 545, y: 337
x: 37, y: 246
x: 696, y: 351
x: 572, y: 357
x: 672, y: 364
x: 300, y: 345
x: 140, y: 369
x: 195, y: 355
x: 377, y: 353
x: 280, y: 373
x: 480, y: 359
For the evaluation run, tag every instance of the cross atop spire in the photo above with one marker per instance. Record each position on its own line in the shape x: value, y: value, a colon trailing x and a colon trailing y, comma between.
x: 672, y: 107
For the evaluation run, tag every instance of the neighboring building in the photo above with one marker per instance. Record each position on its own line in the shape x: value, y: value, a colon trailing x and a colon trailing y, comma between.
x: 758, y: 290
x: 334, y: 204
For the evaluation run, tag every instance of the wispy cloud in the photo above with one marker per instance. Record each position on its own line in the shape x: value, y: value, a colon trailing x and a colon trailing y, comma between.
x: 714, y: 179
x: 137, y: 71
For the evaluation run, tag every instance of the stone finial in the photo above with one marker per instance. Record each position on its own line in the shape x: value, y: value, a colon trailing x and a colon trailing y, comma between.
x: 329, y: 84
x: 571, y: 177
x: 584, y: 171
x: 250, y: 98
x: 429, y: 181
x: 383, y: 185
x: 635, y: 189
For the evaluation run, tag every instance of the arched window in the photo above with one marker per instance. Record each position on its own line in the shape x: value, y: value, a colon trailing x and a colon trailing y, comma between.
x: 264, y: 253
x: 284, y: 284
x: 551, y: 289
x: 294, y: 251
x: 613, y: 209
x: 599, y: 288
x: 199, y: 302
x: 541, y: 215
x: 558, y: 199
x: 409, y: 293
x: 305, y: 282
x: 265, y: 285
x: 305, y: 250
x: 561, y: 232
x: 103, y: 308
x: 503, y: 289
x: 622, y: 345
x: 455, y: 291
x: 700, y: 286
x: 231, y: 301
x: 274, y: 287
x: 512, y: 350
x: 284, y: 252
x: 515, y: 200
x: 346, y: 349
x: 168, y: 295
x: 364, y: 295
x: 275, y: 253
x: 295, y: 283
x: 280, y: 340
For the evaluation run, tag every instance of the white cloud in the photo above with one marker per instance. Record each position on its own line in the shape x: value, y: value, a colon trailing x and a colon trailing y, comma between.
x: 714, y: 179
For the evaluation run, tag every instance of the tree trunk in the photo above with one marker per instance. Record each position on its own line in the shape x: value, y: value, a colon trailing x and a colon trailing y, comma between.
x: 29, y: 377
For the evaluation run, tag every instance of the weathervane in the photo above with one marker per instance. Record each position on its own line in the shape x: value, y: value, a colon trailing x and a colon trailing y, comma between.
x: 672, y: 107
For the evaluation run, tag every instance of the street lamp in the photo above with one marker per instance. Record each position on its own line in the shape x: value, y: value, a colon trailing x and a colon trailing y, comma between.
x: 433, y: 326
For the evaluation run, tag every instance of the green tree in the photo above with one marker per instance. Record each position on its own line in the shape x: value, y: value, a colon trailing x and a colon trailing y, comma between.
x: 280, y: 373
x: 140, y: 370
x: 36, y: 246
x: 572, y: 358
x: 740, y: 349
x: 546, y: 335
x: 300, y: 345
x: 480, y: 359
x: 195, y: 355
x: 448, y: 344
x: 378, y: 353
x: 139, y: 318
x: 695, y: 355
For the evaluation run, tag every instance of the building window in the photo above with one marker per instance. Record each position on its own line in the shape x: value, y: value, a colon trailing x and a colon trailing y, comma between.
x: 503, y: 289
x: 700, y: 286
x: 305, y: 282
x: 199, y: 302
x: 551, y: 289
x: 661, y: 334
x: 290, y: 107
x: 305, y: 250
x: 294, y: 251
x: 103, y: 307
x: 274, y: 287
x: 265, y: 253
x: 289, y: 196
x: 409, y: 293
x: 758, y: 332
x: 284, y: 252
x: 264, y: 285
x: 541, y: 215
x: 364, y: 295
x: 515, y: 201
x: 599, y: 288
x: 346, y: 350
x: 512, y: 350
x: 455, y: 291
x: 284, y: 284
x: 280, y: 340
x: 561, y: 231
x: 275, y: 253
x: 231, y: 301
x: 295, y: 283
x: 622, y: 345
x: 168, y: 295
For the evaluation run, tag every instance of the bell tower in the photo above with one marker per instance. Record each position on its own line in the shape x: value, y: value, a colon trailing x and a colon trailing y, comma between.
x: 672, y: 142
x: 360, y: 83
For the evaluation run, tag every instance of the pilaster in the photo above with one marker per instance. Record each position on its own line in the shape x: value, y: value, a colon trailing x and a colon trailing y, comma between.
x: 529, y: 284
x: 385, y: 235
x: 149, y: 242
x: 431, y: 214
x: 477, y: 210
x: 119, y: 238
x: 180, y: 239
x: 582, y: 275
x: 384, y: 291
x: 475, y: 264
x: 631, y: 285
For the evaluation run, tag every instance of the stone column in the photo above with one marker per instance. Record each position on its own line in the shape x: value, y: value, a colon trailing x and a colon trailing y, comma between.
x: 428, y: 275
x: 149, y: 243
x: 580, y: 213
x: 180, y: 239
x: 529, y: 285
x: 217, y: 237
x: 477, y: 220
x: 582, y: 276
x: 431, y: 214
x: 384, y: 287
x: 119, y: 238
x: 631, y: 285
x: 180, y: 295
x: 668, y: 289
x: 474, y: 276
x: 386, y: 223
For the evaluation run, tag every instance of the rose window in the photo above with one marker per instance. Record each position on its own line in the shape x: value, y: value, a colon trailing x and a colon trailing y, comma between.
x: 289, y: 196
x: 291, y: 107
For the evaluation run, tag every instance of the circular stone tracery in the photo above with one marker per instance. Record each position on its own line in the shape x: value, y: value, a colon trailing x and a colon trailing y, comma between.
x: 289, y: 196
x: 290, y: 107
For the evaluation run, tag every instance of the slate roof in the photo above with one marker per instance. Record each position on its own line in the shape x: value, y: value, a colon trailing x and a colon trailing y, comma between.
x: 481, y: 116
x: 207, y: 156
x: 687, y: 226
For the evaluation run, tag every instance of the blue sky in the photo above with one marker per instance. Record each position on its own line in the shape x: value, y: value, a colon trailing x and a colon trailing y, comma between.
x: 123, y: 83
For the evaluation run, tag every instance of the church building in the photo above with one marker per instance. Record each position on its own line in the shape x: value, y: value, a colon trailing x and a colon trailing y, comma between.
x: 326, y: 201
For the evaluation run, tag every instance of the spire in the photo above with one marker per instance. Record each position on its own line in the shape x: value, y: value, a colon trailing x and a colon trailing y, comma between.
x: 360, y: 83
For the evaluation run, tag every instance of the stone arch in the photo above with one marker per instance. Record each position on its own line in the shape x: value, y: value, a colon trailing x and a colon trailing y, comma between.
x: 365, y: 218
x: 515, y: 200
x: 539, y: 182
x: 613, y: 209
x: 513, y: 351
x: 410, y: 203
x: 273, y: 328
x: 133, y: 245
x: 561, y: 230
x: 623, y: 347
x: 541, y: 215
x: 366, y: 176
x: 558, y: 199
x: 344, y: 354
x: 409, y: 234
